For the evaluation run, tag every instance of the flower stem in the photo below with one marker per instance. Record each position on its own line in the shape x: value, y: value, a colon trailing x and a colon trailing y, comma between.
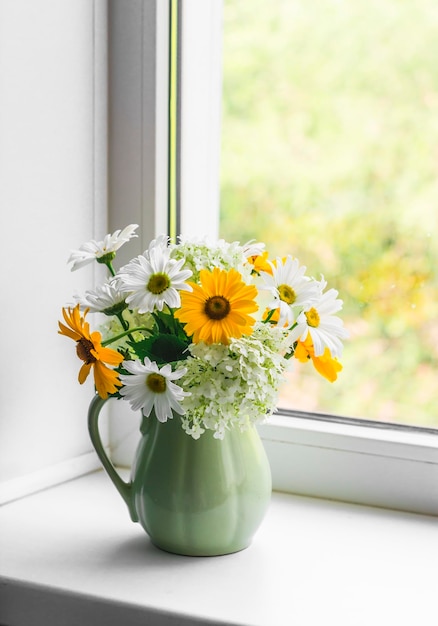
x: 125, y: 325
x: 109, y: 265
x: 268, y: 317
x: 107, y: 342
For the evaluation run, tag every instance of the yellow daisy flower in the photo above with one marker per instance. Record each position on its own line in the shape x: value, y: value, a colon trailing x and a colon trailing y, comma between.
x: 261, y: 263
x: 325, y: 364
x: 219, y: 308
x: 90, y: 350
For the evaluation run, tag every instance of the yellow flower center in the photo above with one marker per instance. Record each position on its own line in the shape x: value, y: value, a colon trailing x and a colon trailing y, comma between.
x: 287, y: 294
x: 83, y: 350
x: 217, y: 307
x: 156, y: 383
x: 158, y: 283
x: 312, y: 317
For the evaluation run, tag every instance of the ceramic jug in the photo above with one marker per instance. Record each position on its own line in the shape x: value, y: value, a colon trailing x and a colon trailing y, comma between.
x: 200, y: 497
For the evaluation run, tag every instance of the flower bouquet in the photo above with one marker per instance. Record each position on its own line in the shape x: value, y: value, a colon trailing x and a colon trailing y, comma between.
x: 198, y: 337
x: 204, y: 330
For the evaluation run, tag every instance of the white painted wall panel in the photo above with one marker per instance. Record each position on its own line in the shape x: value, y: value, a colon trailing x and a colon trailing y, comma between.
x: 52, y: 198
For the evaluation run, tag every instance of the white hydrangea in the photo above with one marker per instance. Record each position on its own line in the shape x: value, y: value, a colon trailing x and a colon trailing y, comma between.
x: 202, y: 254
x: 234, y: 385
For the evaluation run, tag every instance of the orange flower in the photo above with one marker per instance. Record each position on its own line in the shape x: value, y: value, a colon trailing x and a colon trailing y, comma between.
x: 260, y: 263
x: 90, y: 350
x: 219, y: 308
x: 324, y: 364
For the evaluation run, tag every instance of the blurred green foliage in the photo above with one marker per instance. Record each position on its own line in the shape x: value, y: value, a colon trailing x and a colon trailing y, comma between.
x: 330, y: 153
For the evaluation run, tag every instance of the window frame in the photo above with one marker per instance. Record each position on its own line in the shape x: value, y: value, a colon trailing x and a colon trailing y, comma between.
x: 354, y: 460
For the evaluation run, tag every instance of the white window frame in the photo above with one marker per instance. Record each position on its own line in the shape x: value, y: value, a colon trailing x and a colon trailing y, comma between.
x: 322, y: 456
x: 350, y: 460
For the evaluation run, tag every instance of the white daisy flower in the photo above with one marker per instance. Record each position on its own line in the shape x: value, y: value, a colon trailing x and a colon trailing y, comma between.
x: 106, y: 298
x: 290, y: 288
x: 101, y: 251
x: 161, y: 242
x: 147, y: 387
x: 153, y: 279
x: 325, y: 328
x: 253, y: 248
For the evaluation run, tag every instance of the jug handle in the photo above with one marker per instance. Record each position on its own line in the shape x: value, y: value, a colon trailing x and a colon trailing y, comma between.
x: 124, y: 488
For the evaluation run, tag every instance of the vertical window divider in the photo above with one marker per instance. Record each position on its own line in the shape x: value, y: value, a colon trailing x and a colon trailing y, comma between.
x: 174, y: 193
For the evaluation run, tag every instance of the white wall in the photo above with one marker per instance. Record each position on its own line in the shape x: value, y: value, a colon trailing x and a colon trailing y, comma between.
x: 52, y: 198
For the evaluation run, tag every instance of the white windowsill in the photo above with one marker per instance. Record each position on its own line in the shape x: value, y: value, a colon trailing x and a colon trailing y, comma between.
x: 70, y: 555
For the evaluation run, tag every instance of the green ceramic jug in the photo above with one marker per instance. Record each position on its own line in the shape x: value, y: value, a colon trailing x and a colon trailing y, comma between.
x: 199, y: 497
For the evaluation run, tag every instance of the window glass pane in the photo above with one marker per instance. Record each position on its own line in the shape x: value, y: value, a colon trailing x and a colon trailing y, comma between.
x: 330, y: 153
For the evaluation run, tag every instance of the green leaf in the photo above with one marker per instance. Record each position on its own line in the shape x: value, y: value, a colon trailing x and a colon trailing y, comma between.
x: 164, y: 321
x: 162, y: 348
x: 168, y: 324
